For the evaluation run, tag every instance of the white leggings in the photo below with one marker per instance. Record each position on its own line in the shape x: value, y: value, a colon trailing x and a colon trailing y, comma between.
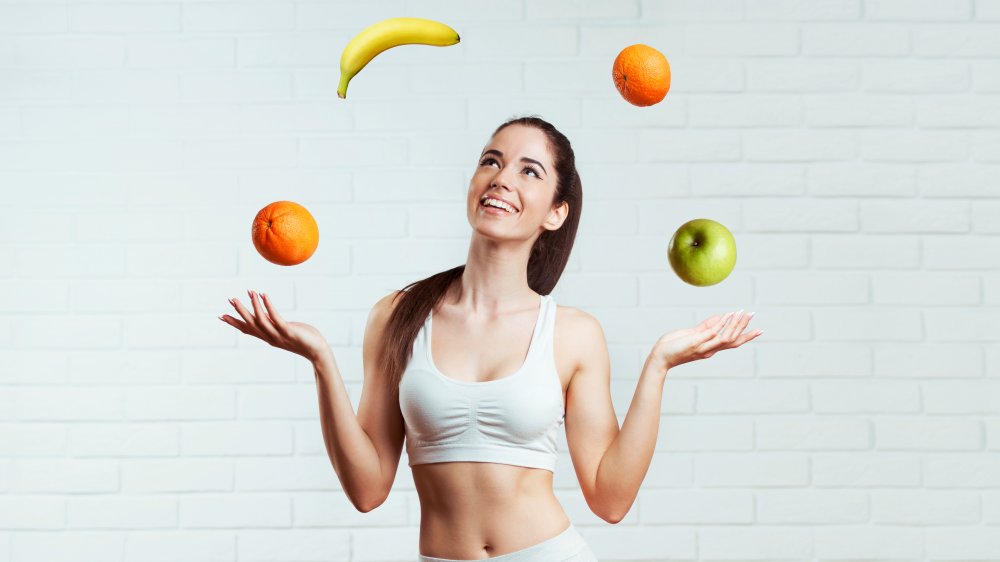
x: 567, y: 546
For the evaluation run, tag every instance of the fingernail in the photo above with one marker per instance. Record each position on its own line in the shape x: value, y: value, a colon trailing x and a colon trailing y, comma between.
x: 751, y: 315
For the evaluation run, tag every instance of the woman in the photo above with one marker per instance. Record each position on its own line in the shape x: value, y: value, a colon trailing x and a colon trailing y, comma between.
x: 478, y: 368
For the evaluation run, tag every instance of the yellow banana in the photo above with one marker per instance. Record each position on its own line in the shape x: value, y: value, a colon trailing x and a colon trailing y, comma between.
x: 386, y: 34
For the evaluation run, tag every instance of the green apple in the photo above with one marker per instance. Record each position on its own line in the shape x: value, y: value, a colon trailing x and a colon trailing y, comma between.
x: 702, y: 252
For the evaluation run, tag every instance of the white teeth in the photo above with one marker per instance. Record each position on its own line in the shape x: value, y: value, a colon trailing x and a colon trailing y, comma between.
x: 498, y: 203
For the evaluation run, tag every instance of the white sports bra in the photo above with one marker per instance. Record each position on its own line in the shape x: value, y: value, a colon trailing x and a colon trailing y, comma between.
x: 512, y: 420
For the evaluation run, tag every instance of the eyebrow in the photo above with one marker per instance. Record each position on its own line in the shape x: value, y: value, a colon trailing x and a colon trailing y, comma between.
x: 523, y: 158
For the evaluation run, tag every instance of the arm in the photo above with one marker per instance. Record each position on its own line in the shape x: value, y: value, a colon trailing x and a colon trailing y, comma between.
x: 364, y: 448
x: 610, y: 463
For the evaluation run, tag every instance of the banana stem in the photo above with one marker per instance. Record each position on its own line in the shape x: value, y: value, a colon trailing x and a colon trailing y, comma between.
x: 342, y: 87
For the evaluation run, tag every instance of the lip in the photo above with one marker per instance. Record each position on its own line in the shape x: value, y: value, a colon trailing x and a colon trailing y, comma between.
x: 489, y: 210
x: 516, y: 210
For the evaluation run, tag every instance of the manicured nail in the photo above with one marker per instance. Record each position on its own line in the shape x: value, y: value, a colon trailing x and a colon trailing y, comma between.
x: 751, y: 315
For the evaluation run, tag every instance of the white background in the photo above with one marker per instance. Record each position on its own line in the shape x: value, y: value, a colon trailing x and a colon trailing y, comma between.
x: 853, y: 148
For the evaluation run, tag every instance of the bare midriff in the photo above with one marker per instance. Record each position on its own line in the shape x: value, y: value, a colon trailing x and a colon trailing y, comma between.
x: 475, y: 510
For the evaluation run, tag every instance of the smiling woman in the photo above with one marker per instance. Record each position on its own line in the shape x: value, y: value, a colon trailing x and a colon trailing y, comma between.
x: 477, y: 368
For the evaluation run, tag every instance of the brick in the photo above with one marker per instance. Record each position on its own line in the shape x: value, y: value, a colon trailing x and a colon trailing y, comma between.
x: 717, y: 433
x: 858, y: 110
x: 26, y: 18
x: 803, y: 10
x: 696, y: 507
x: 872, y: 252
x: 177, y: 475
x: 866, y: 324
x: 233, y: 512
x: 32, y: 513
x: 911, y: 433
x: 67, y: 546
x: 866, y: 469
x: 180, y: 403
x: 178, y: 545
x: 921, y: 10
x: 764, y: 543
x: 739, y: 397
x: 128, y: 440
x: 784, y: 75
x: 972, y: 543
x: 867, y: 397
x: 928, y: 289
x: 961, y: 397
x: 917, y: 76
x: 793, y: 145
x: 286, y: 474
x: 125, y: 18
x: 816, y: 507
x: 858, y: 542
x: 857, y: 40
x: 240, y: 17
x: 942, y: 253
x: 724, y: 39
x: 965, y: 470
x: 956, y: 40
x: 305, y: 545
x: 920, y: 507
x: 121, y: 513
x: 801, y: 215
x: 797, y: 433
x: 62, y: 476
x: 814, y: 359
x: 333, y: 509
x: 805, y: 288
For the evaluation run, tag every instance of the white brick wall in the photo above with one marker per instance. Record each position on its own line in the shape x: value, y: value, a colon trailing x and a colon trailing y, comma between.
x: 852, y: 146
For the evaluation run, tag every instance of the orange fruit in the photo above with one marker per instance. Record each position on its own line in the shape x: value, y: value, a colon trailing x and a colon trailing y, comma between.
x: 641, y: 74
x: 285, y: 233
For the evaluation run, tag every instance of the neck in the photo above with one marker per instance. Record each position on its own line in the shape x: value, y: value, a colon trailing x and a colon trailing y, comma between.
x: 495, y: 280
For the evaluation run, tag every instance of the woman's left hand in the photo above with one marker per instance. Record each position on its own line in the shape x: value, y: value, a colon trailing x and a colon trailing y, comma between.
x: 704, y: 340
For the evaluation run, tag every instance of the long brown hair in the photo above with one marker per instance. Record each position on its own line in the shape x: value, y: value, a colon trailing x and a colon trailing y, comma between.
x: 548, y: 259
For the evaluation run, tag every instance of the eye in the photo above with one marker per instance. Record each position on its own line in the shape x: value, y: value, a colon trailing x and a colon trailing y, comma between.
x: 489, y: 159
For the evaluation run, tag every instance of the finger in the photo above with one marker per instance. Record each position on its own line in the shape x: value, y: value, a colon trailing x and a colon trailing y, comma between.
x: 710, y: 321
x: 717, y: 329
x: 276, y: 318
x: 248, y: 321
x: 263, y: 322
x: 741, y: 325
x: 735, y: 326
x: 239, y: 325
x: 752, y: 335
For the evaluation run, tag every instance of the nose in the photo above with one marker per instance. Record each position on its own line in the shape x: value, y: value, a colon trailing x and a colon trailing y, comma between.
x: 500, y: 178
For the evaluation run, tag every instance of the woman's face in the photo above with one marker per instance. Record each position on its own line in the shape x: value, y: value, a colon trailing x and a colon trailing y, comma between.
x: 515, y: 167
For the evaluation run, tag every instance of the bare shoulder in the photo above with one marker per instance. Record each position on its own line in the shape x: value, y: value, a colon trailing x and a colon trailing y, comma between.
x: 384, y: 306
x: 378, y: 319
x: 577, y: 332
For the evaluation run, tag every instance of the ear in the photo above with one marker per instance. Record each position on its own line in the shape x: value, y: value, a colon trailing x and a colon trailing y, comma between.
x: 557, y: 216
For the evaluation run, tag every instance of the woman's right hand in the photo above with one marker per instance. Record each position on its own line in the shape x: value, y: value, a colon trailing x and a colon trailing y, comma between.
x: 297, y: 337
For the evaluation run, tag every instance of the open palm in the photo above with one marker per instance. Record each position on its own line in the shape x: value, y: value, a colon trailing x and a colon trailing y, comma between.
x: 267, y: 325
x: 704, y: 340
